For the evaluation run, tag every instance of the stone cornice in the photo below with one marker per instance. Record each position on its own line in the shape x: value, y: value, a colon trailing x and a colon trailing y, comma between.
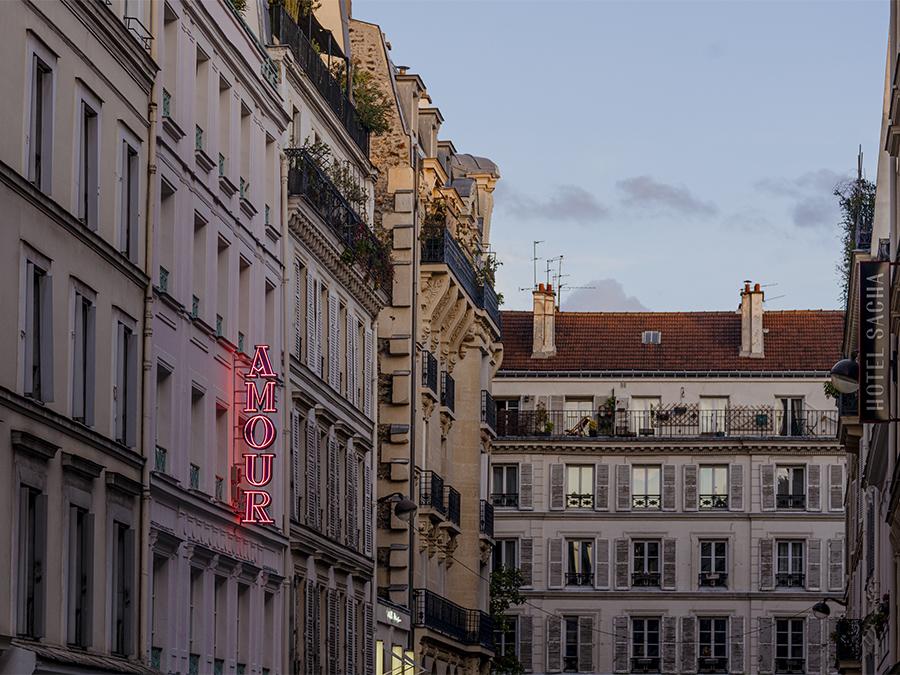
x: 721, y: 446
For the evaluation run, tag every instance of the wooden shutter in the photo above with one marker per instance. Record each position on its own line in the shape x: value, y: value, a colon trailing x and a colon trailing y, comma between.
x: 90, y: 372
x: 88, y: 612
x: 835, y: 487
x: 813, y: 487
x: 355, y: 340
x: 332, y: 490
x: 368, y: 363
x: 765, y: 625
x: 526, y: 566
x: 669, y: 564
x: 367, y: 506
x: 669, y: 644
x: 835, y: 564
x: 40, y: 566
x: 526, y: 487
x: 333, y: 635
x: 555, y: 564
x: 601, y: 574
x: 767, y: 486
x: 623, y: 487
x: 688, y: 644
x: 119, y: 393
x: 334, y: 351
x: 130, y: 580
x: 585, y: 643
x: 813, y: 645
x: 351, y: 472
x: 736, y: 487
x: 29, y: 326
x: 319, y: 312
x: 73, y: 580
x: 621, y: 563
x: 557, y: 487
x: 312, y: 470
x: 668, y: 487
x: 620, y: 652
x: 298, y: 309
x: 601, y: 487
x: 736, y: 640
x: 526, y: 642
x: 352, y: 646
x: 309, y: 626
x: 295, y: 464
x: 351, y: 357
x: 47, y: 336
x: 766, y: 564
x: 554, y: 647
x: 369, y: 639
x: 813, y: 564
x: 78, y: 364
x: 310, y: 321
x: 689, y: 494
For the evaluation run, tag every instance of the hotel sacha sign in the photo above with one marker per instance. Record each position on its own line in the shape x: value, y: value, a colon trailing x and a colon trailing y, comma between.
x: 874, y: 341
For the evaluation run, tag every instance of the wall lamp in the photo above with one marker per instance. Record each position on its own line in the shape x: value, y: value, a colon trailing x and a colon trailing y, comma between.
x: 821, y: 610
x: 845, y: 375
x: 404, y: 507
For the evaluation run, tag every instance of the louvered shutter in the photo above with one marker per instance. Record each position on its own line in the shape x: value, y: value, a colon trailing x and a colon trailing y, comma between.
x: 334, y: 351
x: 333, y: 635
x: 668, y: 487
x: 369, y: 638
x: 119, y: 392
x: 623, y: 487
x: 295, y: 464
x: 41, y: 572
x: 601, y: 574
x: 814, y: 488
x: 669, y: 644
x: 736, y: 487
x: 352, y: 646
x: 814, y: 645
x: 526, y: 643
x: 767, y: 486
x: 298, y: 309
x: 764, y: 637
x: 352, y: 469
x: 89, y: 529
x: 586, y: 643
x: 736, y: 640
x: 355, y: 340
x: 831, y: 626
x: 688, y: 644
x: 601, y: 487
x: 368, y: 363
x: 309, y: 626
x: 332, y: 488
x: 554, y: 647
x: 766, y: 564
x: 526, y: 566
x: 526, y: 487
x: 814, y: 564
x: 689, y: 495
x: 311, y: 322
x: 29, y: 325
x: 835, y: 564
x: 351, y: 358
x: 78, y: 365
x: 557, y: 487
x: 319, y: 320
x: 555, y: 564
x: 836, y: 487
x: 670, y: 561
x: 47, y: 336
x: 621, y: 563
x: 312, y: 471
x: 620, y: 652
x: 367, y: 505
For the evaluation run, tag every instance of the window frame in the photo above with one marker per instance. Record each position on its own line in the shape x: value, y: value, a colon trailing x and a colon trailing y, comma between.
x: 790, y: 646
x: 36, y: 326
x: 577, y: 548
x: 125, y: 380
x: 32, y: 553
x: 793, y: 545
x: 713, y: 644
x: 580, y: 500
x: 790, y: 499
x: 38, y: 134
x: 646, y: 500
x: 502, y: 547
x: 83, y: 355
x: 646, y: 559
x: 645, y: 632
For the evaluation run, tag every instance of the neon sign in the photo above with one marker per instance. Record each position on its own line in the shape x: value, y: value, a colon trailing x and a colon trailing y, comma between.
x: 259, y: 434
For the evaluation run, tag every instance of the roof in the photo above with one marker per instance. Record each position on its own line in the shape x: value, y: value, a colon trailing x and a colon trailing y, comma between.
x: 797, y: 340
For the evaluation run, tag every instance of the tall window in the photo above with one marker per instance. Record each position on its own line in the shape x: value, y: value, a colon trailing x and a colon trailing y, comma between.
x: 32, y: 561
x: 125, y: 392
x: 81, y: 563
x: 643, y: 416
x: 645, y: 644
x: 790, y: 482
x: 505, y: 554
x: 789, y: 646
x: 713, y: 411
x: 83, y: 366
x: 505, y: 485
x: 40, y: 141
x: 220, y: 621
x: 570, y: 655
x: 645, y: 487
x: 38, y: 328
x: 198, y: 436
x: 243, y: 304
x: 713, y: 644
x: 579, y: 487
x: 128, y: 228
x: 792, y: 421
x: 199, y: 267
x: 159, y: 608
x: 580, y: 562
x: 505, y: 640
x: 790, y: 566
x: 713, y: 563
x: 646, y: 563
x: 123, y: 589
x: 713, y: 487
x: 222, y: 249
x: 243, y: 624
x: 196, y: 612
x: 89, y: 158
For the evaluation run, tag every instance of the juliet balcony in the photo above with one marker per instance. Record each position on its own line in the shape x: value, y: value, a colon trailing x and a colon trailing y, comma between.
x: 467, y: 626
x: 438, y: 499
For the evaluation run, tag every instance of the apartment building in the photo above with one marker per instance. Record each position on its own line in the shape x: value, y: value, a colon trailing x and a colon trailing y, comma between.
x: 671, y: 487
x: 73, y: 160
x: 438, y: 347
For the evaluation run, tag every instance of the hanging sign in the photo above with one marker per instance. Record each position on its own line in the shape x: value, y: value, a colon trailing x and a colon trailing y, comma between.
x: 874, y: 341
x: 258, y: 434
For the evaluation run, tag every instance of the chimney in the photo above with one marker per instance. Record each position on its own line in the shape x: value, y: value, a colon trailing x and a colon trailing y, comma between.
x: 544, y: 322
x: 752, y: 321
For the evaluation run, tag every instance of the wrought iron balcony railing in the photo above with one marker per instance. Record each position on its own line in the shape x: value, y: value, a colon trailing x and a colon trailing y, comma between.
x: 645, y: 579
x: 431, y: 491
x: 646, y: 501
x: 579, y: 579
x: 486, y: 519
x: 719, y: 579
x: 645, y: 664
x: 712, y: 664
x: 451, y: 499
x: 848, y: 634
x: 790, y: 501
x: 488, y: 411
x: 468, y: 626
x: 505, y: 499
x: 490, y: 303
x: 789, y: 666
x: 429, y: 371
x: 713, y: 502
x: 790, y: 579
x: 577, y: 500
x: 448, y: 391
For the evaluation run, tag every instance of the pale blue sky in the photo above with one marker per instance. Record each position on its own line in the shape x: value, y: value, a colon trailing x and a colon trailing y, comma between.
x: 676, y: 148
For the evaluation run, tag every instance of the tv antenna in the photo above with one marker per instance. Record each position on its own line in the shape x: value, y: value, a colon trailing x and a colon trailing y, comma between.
x: 550, y: 261
x: 560, y: 284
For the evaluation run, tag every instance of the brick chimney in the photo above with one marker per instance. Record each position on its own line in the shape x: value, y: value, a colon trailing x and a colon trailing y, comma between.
x: 544, y: 322
x: 752, y: 321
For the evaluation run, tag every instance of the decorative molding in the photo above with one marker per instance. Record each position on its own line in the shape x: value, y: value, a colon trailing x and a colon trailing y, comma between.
x: 32, y: 445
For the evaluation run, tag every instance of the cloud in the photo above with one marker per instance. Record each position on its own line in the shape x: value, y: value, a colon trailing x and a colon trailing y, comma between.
x: 607, y: 295
x: 647, y: 192
x: 568, y: 202
x: 810, y: 196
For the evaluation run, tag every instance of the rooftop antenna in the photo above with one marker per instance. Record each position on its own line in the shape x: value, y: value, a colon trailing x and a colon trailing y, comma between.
x: 560, y: 285
x: 550, y: 262
x: 859, y: 163
x: 534, y: 260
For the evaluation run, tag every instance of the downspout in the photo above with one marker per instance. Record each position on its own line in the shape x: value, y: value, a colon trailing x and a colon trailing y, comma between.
x: 415, y: 388
x: 147, y: 369
x: 289, y: 408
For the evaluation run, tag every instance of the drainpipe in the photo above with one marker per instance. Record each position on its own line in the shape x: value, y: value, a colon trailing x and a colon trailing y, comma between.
x: 414, y: 385
x: 148, y: 440
x: 288, y: 407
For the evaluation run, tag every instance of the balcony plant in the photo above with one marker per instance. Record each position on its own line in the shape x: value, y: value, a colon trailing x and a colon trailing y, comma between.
x: 506, y: 584
x: 592, y: 428
x: 371, y: 103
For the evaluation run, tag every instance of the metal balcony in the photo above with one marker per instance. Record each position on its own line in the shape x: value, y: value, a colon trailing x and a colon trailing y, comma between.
x: 790, y: 580
x: 488, y: 411
x: 431, y: 491
x: 790, y: 501
x: 451, y: 499
x: 650, y: 502
x: 429, y: 371
x: 645, y: 664
x: 713, y: 502
x: 486, y: 519
x: 575, y: 500
x: 468, y: 626
x: 505, y: 499
x: 784, y: 666
x: 645, y: 579
x: 448, y: 391
x: 712, y: 664
x: 579, y: 579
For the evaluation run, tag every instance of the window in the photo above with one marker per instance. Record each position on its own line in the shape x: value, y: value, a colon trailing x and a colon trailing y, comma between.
x: 164, y: 415
x: 579, y: 487
x: 580, y: 571
x: 269, y: 305
x: 32, y: 561
x: 38, y: 329
x: 195, y: 619
x: 221, y: 287
x: 646, y: 563
x: 220, y: 621
x: 40, y: 128
x: 651, y: 337
x: 159, y: 608
x: 123, y: 589
x: 713, y: 487
x: 713, y: 411
x: 243, y: 623
x: 128, y: 200
x: 645, y: 487
x: 712, y: 645
x: 790, y: 569
x: 83, y: 367
x: 713, y: 563
x: 125, y: 390
x: 505, y: 640
x: 790, y: 482
x: 296, y: 130
x: 198, y: 267
x: 643, y: 414
x: 198, y: 435
x: 792, y: 421
x: 578, y: 413
x: 570, y: 655
x: 81, y: 542
x: 88, y: 191
x: 505, y: 483
x: 166, y: 237
x: 789, y: 646
x: 243, y: 300
x: 505, y: 554
x: 644, y: 645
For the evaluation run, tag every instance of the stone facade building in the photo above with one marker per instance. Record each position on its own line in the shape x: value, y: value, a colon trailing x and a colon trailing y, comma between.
x: 671, y: 488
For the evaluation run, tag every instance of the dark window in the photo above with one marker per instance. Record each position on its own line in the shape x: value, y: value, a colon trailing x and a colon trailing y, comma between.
x: 81, y: 541
x: 790, y: 567
x: 505, y: 554
x: 570, y: 655
x: 32, y: 560
x: 792, y: 422
x: 505, y: 485
x: 125, y: 393
x: 38, y: 333
x: 789, y: 646
x: 41, y: 124
x: 645, y: 645
x: 790, y: 487
x: 505, y: 639
x: 123, y: 589
x: 88, y: 194
x: 580, y: 570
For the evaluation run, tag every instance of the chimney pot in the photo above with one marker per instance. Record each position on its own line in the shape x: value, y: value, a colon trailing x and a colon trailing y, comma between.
x: 756, y: 288
x: 544, y: 328
x: 752, y: 332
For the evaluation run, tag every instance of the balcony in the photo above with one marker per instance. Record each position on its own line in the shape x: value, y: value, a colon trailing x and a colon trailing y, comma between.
x: 431, y: 491
x: 784, y: 666
x: 429, y: 372
x: 486, y: 519
x: 451, y: 499
x: 468, y: 626
x: 645, y: 579
x: 713, y: 579
x: 579, y: 579
x: 577, y: 500
x: 448, y: 391
x: 298, y: 40
x: 505, y: 500
x: 490, y: 303
x: 645, y: 664
x: 713, y: 502
x: 790, y: 580
x: 488, y: 411
x: 712, y: 664
x: 790, y: 501
x: 306, y: 179
x: 848, y: 643
x: 647, y: 502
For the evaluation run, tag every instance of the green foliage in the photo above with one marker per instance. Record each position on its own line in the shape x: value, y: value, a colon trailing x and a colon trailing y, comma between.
x: 239, y: 5
x: 856, y: 199
x: 830, y: 390
x: 297, y: 8
x: 486, y: 272
x: 341, y: 174
x: 372, y: 106
x: 506, y: 584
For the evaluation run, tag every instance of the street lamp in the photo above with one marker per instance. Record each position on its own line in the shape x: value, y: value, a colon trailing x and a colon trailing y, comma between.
x: 845, y: 375
x: 404, y: 507
x: 821, y: 610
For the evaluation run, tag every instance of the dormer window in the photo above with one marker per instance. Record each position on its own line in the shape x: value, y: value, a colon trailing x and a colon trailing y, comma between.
x: 651, y: 337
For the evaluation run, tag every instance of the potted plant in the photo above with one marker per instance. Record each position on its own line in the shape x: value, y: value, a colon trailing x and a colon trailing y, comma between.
x: 592, y: 428
x: 548, y: 428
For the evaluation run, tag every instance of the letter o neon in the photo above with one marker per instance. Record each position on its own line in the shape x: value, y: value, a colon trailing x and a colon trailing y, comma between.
x: 268, y: 432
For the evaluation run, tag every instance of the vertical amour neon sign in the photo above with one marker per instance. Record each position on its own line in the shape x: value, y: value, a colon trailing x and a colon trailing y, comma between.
x: 259, y: 434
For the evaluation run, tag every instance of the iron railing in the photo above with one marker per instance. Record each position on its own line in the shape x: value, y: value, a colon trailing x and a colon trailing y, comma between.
x: 712, y: 579
x: 448, y: 391
x: 429, y: 371
x: 646, y: 502
x: 579, y: 578
x: 713, y: 502
x: 488, y: 411
x: 451, y: 499
x: 789, y: 666
x: 579, y: 500
x: 431, y: 491
x: 490, y: 303
x: 645, y: 664
x: 486, y: 519
x: 505, y: 499
x: 646, y: 579
x: 790, y: 501
x: 790, y: 579
x: 468, y: 626
x: 712, y: 664
x: 848, y: 634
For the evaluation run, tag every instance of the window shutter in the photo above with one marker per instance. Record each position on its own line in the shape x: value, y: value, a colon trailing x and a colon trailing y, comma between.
x: 766, y: 564
x: 813, y: 487
x: 334, y: 352
x: 623, y: 487
x: 47, y: 335
x: 586, y: 643
x: 526, y: 642
x: 332, y: 489
x: 73, y: 580
x: 88, y: 623
x: 688, y: 644
x: 298, y: 309
x: 355, y: 339
x: 736, y: 626
x: 40, y: 565
x: 814, y: 645
x: 312, y: 470
x: 350, y: 651
x: 369, y: 361
x: 131, y: 439
x: 765, y: 625
x: 367, y: 506
x: 620, y: 653
x: 621, y: 563
x: 309, y: 625
x: 689, y: 495
x: 835, y: 564
x: 601, y: 491
x: 333, y: 636
x: 78, y: 363
x: 351, y: 358
x: 526, y: 566
x: 555, y: 564
x: 119, y: 394
x: 669, y: 644
x: 369, y: 637
x: 767, y: 486
x: 352, y: 471
x: 669, y: 568
x: 668, y: 487
x: 130, y: 586
x: 319, y: 312
x: 736, y: 487
x: 134, y: 199
x: 557, y: 487
x: 814, y: 564
x: 90, y: 372
x: 295, y: 464
x: 601, y: 574
x: 836, y: 487
x: 526, y: 487
x: 554, y: 648
x: 29, y: 326
x: 310, y: 321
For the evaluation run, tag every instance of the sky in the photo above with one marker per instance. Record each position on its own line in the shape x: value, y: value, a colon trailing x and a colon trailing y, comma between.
x: 667, y: 150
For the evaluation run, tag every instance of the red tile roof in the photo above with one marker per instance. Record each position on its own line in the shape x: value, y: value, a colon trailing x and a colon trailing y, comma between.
x: 798, y: 340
